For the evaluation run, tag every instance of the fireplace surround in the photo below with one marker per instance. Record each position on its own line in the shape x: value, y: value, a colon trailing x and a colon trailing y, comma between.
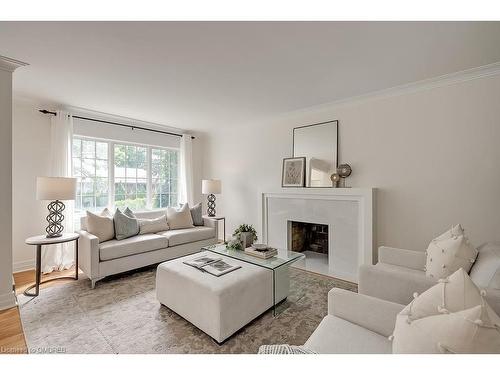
x: 348, y: 212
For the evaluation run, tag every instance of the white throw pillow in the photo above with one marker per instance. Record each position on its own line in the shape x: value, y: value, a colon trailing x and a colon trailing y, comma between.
x: 466, y: 331
x: 455, y: 230
x: 455, y: 293
x: 179, y: 219
x: 153, y: 225
x: 486, y: 269
x: 101, y: 226
x: 448, y: 255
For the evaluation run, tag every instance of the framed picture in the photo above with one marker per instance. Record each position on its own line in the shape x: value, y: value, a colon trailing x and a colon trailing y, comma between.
x: 294, y: 172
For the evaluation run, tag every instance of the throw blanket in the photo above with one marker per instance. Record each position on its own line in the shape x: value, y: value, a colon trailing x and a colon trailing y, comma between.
x: 284, y: 349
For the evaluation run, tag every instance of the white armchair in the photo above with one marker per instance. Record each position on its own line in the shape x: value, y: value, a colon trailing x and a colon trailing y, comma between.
x: 355, y: 323
x: 400, y: 273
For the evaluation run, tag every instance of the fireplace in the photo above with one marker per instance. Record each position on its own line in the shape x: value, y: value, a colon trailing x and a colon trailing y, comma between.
x: 311, y: 239
x: 347, y: 212
x: 308, y: 237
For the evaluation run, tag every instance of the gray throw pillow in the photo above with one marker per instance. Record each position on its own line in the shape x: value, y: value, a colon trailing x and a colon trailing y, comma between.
x: 196, y: 214
x: 129, y: 212
x: 125, y: 225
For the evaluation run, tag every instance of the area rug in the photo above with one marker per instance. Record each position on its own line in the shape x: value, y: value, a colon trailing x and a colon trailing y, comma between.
x: 122, y: 315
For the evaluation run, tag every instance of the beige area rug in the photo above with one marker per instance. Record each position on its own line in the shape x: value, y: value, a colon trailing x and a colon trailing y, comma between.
x: 122, y: 315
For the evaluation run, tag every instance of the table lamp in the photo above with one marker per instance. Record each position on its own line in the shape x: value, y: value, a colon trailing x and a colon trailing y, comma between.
x: 211, y: 187
x: 55, y: 189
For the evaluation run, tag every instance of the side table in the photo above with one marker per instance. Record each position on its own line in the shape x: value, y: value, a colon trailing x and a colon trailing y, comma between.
x: 218, y: 218
x: 39, y: 241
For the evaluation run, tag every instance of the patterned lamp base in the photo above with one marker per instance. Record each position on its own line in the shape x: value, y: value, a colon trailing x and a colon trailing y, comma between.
x: 55, y: 219
x: 211, y: 205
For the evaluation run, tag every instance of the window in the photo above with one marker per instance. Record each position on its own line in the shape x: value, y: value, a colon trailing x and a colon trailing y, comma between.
x: 123, y: 175
x: 164, y: 168
x: 90, y: 165
x: 131, y: 176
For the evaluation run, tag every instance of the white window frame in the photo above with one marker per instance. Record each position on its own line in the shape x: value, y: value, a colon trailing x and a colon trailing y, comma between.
x: 111, y: 166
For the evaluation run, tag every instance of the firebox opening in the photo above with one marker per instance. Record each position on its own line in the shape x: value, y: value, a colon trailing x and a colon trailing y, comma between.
x: 308, y: 237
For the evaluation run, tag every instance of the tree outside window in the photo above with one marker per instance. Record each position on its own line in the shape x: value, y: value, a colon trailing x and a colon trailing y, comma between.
x: 143, y: 176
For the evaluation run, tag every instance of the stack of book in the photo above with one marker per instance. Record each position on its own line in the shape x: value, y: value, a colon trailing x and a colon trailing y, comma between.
x: 266, y: 253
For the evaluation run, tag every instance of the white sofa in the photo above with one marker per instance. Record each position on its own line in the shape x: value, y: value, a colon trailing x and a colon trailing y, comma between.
x: 355, y: 324
x: 399, y: 273
x: 98, y: 260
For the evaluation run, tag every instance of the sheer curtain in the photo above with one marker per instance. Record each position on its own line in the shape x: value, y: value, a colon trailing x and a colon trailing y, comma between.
x: 186, y: 193
x: 61, y: 256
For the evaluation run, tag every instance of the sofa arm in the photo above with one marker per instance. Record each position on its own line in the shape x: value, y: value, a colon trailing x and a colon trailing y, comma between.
x: 88, y: 254
x: 368, y: 312
x: 392, y: 283
x: 401, y: 257
x: 212, y: 223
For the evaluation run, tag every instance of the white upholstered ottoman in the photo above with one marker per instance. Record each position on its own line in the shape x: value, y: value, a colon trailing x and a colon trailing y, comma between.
x: 219, y: 306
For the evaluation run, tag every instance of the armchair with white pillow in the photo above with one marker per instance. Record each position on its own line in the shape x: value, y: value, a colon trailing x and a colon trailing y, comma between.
x: 400, y: 273
x: 447, y: 310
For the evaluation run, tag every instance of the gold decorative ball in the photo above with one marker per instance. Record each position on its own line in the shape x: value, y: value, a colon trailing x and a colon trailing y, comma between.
x: 335, y: 177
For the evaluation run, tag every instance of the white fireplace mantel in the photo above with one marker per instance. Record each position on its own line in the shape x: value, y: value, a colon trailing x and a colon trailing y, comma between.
x: 347, y: 211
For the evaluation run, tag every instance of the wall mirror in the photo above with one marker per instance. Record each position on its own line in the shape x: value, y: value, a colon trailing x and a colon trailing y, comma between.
x: 318, y: 143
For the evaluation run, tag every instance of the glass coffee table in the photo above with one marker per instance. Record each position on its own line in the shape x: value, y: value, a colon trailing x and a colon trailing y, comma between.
x: 278, y: 265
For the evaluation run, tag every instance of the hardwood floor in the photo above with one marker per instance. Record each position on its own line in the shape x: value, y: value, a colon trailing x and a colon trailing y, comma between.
x: 26, y: 278
x: 11, y: 334
x: 12, y: 339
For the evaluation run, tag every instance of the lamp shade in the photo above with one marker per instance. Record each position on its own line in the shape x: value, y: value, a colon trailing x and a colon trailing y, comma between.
x: 55, y: 188
x: 211, y: 187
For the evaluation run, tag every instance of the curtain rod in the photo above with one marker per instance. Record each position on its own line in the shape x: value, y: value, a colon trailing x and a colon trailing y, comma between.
x: 45, y: 112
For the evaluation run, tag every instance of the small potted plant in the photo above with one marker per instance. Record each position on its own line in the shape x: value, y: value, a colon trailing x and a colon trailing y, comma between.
x: 243, y: 237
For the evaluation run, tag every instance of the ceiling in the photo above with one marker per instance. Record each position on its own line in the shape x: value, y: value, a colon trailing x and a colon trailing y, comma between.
x: 197, y: 75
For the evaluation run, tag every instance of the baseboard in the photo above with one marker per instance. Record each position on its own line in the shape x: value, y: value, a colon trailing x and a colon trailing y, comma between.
x: 24, y: 265
x: 7, y: 300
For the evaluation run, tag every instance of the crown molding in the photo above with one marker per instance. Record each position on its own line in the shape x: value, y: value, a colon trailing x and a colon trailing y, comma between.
x: 423, y: 85
x: 9, y: 65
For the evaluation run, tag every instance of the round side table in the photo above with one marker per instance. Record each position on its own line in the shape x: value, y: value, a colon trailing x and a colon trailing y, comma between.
x: 39, y: 241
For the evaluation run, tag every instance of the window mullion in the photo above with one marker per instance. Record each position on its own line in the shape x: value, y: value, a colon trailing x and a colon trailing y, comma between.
x: 149, y: 179
x: 111, y: 175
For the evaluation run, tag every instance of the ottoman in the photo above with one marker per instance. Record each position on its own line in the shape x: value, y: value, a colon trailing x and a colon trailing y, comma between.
x: 219, y: 306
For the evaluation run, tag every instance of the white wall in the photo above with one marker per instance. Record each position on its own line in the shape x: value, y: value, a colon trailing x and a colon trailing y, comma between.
x: 433, y: 155
x: 31, y: 158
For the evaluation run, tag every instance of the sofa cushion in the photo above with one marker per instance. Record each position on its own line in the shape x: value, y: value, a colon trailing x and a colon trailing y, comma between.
x: 133, y: 245
x: 452, y: 316
x: 455, y: 293
x: 179, y: 219
x: 464, y: 332
x: 126, y: 224
x: 101, y: 225
x: 486, y: 270
x: 448, y: 255
x: 338, y: 336
x: 150, y: 214
x: 153, y: 225
x: 181, y: 236
x: 455, y: 230
x: 197, y: 215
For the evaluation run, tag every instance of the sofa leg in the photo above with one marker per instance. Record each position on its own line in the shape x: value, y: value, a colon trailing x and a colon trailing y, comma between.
x: 94, y: 281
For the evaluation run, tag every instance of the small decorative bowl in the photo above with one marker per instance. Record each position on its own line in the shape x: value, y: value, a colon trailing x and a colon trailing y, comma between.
x: 259, y: 246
